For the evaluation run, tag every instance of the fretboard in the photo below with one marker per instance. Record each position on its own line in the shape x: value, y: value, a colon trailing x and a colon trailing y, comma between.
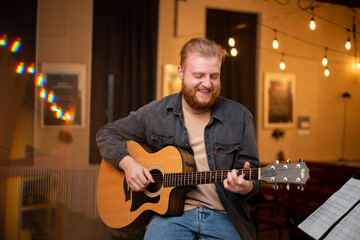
x: 195, y: 178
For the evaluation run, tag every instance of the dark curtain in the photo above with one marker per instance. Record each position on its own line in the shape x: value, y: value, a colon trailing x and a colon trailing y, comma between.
x: 125, y: 46
x: 238, y: 74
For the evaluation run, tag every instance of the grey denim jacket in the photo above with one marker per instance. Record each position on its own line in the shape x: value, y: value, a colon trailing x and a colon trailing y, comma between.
x: 229, y: 141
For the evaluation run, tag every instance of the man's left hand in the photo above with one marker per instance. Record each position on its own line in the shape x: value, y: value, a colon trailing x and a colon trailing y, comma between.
x: 236, y: 183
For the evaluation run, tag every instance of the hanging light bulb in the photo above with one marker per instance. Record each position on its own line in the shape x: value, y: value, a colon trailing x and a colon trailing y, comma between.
x: 348, y: 43
x: 282, y: 63
x: 233, y: 52
x: 275, y: 42
x: 312, y: 23
x: 326, y: 72
x: 231, y: 42
x: 325, y: 60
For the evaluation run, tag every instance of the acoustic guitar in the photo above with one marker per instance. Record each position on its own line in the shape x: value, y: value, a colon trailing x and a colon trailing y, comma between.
x: 173, y: 170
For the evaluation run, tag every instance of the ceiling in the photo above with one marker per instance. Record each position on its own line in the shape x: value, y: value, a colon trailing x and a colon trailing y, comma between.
x: 348, y: 3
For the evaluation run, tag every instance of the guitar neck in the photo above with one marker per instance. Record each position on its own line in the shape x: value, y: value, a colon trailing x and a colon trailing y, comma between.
x: 195, y: 178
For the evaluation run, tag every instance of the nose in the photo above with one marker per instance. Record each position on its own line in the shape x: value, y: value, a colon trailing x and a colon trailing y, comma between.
x: 207, y: 82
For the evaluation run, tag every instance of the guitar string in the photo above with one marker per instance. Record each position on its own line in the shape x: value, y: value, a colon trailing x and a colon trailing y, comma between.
x: 209, y: 176
x: 202, y: 176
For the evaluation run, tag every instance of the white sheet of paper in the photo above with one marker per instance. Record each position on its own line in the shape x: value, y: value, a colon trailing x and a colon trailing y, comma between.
x: 334, y: 208
x: 348, y: 228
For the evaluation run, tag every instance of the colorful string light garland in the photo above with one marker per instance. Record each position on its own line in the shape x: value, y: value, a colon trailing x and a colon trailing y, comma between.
x: 21, y: 68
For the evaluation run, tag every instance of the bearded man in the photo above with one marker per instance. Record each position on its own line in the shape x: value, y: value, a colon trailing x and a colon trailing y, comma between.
x: 217, y: 131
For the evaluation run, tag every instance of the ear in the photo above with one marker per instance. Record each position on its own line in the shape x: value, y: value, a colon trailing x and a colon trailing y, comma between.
x: 180, y: 72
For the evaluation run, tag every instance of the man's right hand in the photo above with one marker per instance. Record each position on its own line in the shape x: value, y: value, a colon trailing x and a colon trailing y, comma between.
x: 136, y: 175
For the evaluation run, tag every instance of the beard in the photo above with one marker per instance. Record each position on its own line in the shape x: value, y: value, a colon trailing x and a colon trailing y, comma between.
x: 191, y: 99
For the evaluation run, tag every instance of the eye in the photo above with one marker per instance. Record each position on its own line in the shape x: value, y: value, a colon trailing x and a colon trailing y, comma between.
x: 198, y: 76
x: 214, y: 76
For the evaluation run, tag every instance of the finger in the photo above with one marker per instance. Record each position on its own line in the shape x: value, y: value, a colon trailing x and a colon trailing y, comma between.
x: 226, y: 184
x: 229, y: 178
x: 246, y: 165
x: 148, y: 176
x: 234, y: 174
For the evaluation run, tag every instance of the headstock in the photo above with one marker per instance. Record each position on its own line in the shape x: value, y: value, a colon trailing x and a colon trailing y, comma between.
x: 295, y: 173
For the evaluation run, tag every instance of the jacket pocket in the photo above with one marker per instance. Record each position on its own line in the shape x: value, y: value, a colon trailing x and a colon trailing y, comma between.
x: 225, y: 155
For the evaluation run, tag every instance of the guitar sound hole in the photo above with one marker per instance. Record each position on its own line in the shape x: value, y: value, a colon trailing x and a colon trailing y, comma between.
x: 158, y: 178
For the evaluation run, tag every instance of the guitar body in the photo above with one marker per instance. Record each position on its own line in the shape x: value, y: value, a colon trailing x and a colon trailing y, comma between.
x: 119, y: 207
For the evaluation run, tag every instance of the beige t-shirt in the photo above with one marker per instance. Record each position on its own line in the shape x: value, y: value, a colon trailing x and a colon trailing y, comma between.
x: 204, y: 194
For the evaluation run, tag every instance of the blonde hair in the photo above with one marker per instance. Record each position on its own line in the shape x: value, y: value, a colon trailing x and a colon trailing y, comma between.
x: 202, y: 46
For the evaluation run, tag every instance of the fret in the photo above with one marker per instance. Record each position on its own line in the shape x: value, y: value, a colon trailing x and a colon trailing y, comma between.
x: 205, y: 177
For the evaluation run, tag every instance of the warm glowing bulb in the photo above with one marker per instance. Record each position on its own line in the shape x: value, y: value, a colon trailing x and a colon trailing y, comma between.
x: 312, y: 24
x: 231, y: 42
x: 16, y: 45
x: 358, y: 65
x: 275, y: 44
x: 20, y: 68
x: 3, y: 40
x: 326, y: 72
x: 348, y: 44
x: 282, y: 65
x: 31, y: 68
x: 233, y: 52
x: 325, y: 61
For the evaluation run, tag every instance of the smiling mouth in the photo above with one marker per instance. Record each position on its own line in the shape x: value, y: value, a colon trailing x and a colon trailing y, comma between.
x: 204, y: 90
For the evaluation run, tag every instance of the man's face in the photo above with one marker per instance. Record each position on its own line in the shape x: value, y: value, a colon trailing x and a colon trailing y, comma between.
x: 200, y: 78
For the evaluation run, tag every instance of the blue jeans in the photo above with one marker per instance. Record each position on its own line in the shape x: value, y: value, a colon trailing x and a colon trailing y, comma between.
x: 199, y: 223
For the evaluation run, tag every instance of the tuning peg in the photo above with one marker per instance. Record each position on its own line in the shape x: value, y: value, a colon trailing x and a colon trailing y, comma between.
x: 275, y: 186
x: 288, y: 161
x: 300, y: 188
x: 301, y: 160
x: 288, y: 186
x: 277, y: 162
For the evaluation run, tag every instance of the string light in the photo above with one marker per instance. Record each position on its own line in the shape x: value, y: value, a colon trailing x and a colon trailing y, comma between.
x: 39, y: 79
x: 3, y: 40
x: 282, y: 63
x: 312, y: 24
x: 325, y: 60
x: 233, y: 52
x: 326, y: 72
x: 231, y: 42
x: 16, y: 45
x: 31, y: 68
x: 275, y: 42
x: 42, y: 93
x: 348, y: 43
x: 50, y: 97
x: 20, y: 68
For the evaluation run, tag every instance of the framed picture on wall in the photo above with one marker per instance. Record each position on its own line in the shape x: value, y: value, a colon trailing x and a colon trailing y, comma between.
x: 279, y: 100
x: 63, y: 100
x: 171, y: 82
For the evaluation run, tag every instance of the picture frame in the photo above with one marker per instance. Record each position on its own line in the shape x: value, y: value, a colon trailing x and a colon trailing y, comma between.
x: 171, y: 83
x: 279, y: 100
x: 67, y: 82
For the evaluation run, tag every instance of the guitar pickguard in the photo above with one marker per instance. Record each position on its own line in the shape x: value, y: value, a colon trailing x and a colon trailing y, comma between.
x: 139, y: 198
